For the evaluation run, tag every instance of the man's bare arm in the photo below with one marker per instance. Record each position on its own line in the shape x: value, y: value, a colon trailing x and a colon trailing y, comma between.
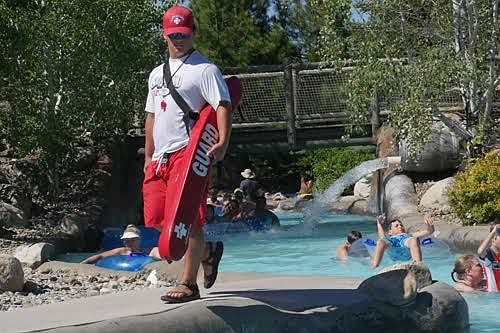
x: 149, y: 146
x: 224, y: 123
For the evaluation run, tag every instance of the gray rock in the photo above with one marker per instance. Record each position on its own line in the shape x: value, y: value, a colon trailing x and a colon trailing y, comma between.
x: 439, y: 308
x: 395, y: 287
x: 344, y: 203
x: 104, y: 291
x: 34, y: 255
x: 11, y: 216
x: 422, y: 273
x: 91, y: 293
x: 74, y: 226
x: 362, y: 188
x: 11, y: 274
x: 436, y: 198
x: 32, y: 287
x: 360, y: 207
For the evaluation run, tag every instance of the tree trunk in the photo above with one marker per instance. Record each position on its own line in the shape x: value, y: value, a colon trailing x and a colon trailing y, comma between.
x: 51, y: 104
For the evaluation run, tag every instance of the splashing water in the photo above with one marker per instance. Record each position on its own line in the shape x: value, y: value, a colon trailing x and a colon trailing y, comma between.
x: 320, y: 203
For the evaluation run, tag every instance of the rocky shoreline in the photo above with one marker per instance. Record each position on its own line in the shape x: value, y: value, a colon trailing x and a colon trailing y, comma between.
x: 46, y: 286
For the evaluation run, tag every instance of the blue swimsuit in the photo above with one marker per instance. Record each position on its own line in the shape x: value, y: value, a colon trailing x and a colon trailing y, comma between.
x: 399, y: 251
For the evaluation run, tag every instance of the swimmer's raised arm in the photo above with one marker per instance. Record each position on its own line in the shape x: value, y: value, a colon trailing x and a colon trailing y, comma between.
x: 380, y: 226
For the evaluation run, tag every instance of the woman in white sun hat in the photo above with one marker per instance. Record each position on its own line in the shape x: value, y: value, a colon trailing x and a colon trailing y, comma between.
x: 131, y: 243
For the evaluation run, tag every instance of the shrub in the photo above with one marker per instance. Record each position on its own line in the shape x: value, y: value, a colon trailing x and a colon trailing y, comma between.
x: 328, y: 164
x: 475, y: 196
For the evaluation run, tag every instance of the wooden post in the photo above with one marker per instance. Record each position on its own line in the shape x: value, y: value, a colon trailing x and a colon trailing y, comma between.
x: 290, y: 104
x: 375, y: 111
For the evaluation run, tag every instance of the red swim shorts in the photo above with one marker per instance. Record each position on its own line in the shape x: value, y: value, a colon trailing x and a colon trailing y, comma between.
x: 154, y: 189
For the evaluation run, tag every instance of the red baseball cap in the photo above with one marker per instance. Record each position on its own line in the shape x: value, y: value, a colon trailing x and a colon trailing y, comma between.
x: 178, y: 19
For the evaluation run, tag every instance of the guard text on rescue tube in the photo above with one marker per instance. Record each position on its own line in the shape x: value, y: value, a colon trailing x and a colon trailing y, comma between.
x: 201, y: 162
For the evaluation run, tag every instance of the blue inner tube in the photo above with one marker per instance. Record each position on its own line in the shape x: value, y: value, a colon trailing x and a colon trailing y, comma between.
x: 431, y: 248
x: 133, y: 262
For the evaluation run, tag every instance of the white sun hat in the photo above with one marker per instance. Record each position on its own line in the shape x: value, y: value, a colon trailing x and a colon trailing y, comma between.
x: 129, y: 235
x: 248, y: 174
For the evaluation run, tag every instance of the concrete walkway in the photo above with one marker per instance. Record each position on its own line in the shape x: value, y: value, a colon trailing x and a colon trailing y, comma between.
x: 262, y: 303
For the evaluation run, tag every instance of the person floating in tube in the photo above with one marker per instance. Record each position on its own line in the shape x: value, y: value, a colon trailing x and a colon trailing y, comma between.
x: 131, y: 244
x: 405, y: 246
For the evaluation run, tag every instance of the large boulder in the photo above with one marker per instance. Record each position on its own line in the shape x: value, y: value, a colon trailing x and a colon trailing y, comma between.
x: 407, y: 297
x: 422, y: 273
x: 435, y: 197
x: 362, y: 188
x: 11, y: 274
x: 35, y: 254
x: 439, y: 308
x: 395, y: 287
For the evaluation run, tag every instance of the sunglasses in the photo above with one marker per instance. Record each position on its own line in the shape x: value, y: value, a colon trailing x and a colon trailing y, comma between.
x: 178, y: 35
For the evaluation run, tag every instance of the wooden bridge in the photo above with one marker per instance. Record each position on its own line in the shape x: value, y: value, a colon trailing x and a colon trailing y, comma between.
x: 300, y: 106
x: 291, y: 107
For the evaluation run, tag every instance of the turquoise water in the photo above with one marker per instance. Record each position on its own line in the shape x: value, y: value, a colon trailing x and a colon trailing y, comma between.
x: 298, y: 250
x: 295, y: 250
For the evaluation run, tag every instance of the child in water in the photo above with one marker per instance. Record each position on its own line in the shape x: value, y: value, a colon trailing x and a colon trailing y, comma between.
x: 343, y: 250
x: 406, y: 245
x: 490, y: 247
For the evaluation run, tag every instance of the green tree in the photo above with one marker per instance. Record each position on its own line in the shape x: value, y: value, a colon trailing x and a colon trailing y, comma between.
x: 239, y: 33
x: 319, y: 28
x: 71, y: 71
x: 414, y: 53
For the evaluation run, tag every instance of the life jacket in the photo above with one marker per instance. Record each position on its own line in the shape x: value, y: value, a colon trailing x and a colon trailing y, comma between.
x: 491, y: 271
x: 495, y: 265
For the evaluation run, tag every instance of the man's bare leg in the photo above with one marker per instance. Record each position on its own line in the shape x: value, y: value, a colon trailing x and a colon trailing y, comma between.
x: 379, y: 252
x: 192, y: 259
x: 415, y: 250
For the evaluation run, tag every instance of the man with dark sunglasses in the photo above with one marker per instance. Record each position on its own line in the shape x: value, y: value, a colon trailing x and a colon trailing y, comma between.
x: 198, y: 82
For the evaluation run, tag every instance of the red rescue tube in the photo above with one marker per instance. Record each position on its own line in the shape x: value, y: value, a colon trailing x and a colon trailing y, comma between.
x: 190, y: 180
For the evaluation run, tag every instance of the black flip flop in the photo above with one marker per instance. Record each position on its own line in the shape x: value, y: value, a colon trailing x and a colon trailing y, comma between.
x: 213, y: 260
x: 195, y: 294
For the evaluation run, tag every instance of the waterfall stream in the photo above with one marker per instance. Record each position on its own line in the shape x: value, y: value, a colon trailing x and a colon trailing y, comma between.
x: 321, y: 201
